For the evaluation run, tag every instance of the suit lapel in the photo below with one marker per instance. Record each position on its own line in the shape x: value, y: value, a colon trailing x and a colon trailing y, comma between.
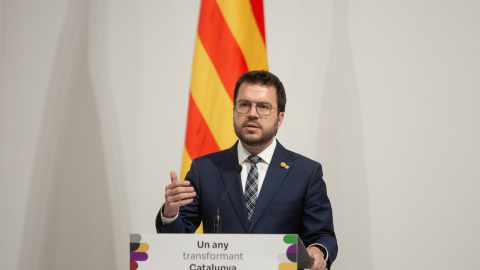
x: 273, y: 179
x: 235, y: 195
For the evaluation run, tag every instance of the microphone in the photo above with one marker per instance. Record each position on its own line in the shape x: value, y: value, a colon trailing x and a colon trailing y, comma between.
x: 216, y: 226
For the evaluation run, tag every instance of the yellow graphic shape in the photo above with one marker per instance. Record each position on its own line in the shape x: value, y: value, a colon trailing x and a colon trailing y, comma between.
x: 143, y: 247
x: 287, y: 266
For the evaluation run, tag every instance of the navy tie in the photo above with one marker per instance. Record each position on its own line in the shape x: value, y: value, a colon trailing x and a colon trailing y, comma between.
x: 251, y: 188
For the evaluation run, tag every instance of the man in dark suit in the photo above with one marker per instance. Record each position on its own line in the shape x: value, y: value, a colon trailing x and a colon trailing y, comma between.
x: 280, y: 191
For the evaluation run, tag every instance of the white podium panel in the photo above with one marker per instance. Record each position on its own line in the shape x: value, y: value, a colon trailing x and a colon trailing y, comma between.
x: 217, y: 252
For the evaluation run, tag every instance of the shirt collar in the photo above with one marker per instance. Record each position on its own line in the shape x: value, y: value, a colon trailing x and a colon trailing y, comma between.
x: 266, y: 154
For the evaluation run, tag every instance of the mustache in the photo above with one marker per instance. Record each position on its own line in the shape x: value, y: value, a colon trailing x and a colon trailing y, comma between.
x: 246, y: 123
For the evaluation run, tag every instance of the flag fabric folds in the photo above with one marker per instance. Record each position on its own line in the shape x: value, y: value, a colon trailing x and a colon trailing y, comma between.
x: 230, y: 40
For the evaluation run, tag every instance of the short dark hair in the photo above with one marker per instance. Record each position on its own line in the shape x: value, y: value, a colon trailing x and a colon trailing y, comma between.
x: 263, y: 77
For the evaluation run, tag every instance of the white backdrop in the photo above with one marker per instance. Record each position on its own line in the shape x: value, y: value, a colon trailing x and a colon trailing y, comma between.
x: 384, y: 94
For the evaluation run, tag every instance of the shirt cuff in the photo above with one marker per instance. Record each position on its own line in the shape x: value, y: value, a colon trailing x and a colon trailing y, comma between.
x: 167, y: 221
x: 323, y: 249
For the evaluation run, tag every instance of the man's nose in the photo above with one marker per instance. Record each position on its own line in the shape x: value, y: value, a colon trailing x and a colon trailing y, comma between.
x: 253, y: 111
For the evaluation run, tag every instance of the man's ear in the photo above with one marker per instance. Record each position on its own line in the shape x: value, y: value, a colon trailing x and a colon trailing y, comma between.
x: 280, y: 119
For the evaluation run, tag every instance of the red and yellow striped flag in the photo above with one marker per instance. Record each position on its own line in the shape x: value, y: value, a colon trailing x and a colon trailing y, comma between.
x: 230, y: 40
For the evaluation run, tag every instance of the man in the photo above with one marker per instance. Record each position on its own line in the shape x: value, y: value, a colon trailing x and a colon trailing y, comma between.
x: 280, y: 191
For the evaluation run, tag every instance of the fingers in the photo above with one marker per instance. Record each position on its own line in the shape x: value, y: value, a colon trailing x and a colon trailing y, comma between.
x: 178, y: 187
x: 317, y: 257
x: 179, y: 191
x: 177, y: 194
x: 173, y: 176
x: 322, y: 265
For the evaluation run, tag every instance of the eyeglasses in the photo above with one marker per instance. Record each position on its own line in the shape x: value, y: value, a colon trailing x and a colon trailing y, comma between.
x: 263, y: 108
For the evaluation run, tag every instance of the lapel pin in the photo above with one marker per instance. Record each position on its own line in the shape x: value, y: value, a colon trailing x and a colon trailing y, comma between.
x: 283, y: 165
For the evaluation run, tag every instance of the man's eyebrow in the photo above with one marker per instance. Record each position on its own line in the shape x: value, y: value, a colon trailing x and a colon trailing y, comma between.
x: 260, y: 102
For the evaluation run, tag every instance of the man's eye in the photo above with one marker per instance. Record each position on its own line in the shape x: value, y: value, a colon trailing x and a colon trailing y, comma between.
x: 264, y: 106
x: 244, y: 104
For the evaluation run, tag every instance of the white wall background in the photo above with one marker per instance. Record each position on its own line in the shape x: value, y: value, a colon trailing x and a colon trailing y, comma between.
x: 385, y: 94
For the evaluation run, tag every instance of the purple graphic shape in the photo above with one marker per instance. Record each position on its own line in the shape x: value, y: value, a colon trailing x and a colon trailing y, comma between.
x: 292, y: 249
x: 292, y: 253
x: 138, y: 256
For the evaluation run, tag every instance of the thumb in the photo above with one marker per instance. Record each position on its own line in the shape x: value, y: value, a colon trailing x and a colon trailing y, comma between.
x: 173, y: 176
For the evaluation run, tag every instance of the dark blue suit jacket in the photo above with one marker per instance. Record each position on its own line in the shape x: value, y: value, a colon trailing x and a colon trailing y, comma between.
x: 291, y: 201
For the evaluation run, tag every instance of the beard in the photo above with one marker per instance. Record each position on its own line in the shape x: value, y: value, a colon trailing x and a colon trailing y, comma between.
x: 266, y: 136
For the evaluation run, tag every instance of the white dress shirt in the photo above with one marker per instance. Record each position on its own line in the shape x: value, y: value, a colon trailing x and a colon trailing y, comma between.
x: 262, y: 165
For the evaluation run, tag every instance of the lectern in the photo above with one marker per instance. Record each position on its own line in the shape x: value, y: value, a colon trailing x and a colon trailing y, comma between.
x: 217, y: 252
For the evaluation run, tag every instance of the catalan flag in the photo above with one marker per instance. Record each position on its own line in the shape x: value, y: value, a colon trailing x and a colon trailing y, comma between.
x: 230, y: 41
